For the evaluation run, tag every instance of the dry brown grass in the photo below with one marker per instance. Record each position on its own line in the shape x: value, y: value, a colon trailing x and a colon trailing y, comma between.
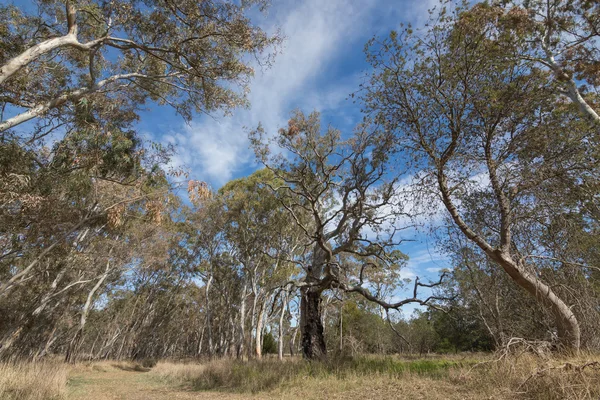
x: 178, y: 373
x: 530, y: 376
x: 448, y: 377
x: 525, y: 376
x: 33, y: 381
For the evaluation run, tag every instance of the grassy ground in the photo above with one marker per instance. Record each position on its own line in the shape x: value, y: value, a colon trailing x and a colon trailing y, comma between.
x: 369, y: 377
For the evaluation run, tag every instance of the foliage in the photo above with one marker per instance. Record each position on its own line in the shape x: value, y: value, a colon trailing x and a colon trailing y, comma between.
x: 454, y: 100
x: 269, y: 344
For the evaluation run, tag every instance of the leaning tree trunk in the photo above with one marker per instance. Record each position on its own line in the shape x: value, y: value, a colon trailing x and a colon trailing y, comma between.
x: 77, y: 339
x: 313, y: 340
x: 567, y: 325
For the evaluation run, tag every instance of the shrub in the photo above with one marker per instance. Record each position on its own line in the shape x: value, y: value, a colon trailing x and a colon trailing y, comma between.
x: 269, y: 345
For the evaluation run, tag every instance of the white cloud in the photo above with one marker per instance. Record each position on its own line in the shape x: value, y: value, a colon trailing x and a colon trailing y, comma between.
x: 426, y: 257
x: 316, y: 32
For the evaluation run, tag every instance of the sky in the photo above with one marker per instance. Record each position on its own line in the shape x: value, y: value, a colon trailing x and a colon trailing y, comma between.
x: 321, y: 63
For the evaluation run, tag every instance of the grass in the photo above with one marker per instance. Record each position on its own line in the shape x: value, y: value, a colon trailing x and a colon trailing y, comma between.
x: 533, y: 377
x: 33, y: 381
x: 259, y: 376
x: 474, y: 376
x: 460, y: 377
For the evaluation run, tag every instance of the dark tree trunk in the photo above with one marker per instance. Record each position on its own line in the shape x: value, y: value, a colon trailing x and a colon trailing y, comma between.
x: 313, y: 340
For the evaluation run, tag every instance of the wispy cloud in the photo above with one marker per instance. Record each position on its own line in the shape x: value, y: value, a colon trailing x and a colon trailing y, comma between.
x: 316, y: 33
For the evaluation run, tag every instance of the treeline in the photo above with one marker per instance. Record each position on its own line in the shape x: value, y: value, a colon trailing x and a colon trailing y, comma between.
x: 484, y: 125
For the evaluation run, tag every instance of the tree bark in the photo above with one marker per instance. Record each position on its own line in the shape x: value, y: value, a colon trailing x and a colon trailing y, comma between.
x: 284, y: 301
x: 259, y: 328
x: 293, y: 341
x: 568, y: 330
x: 341, y: 327
x: 313, y: 340
x: 242, y: 338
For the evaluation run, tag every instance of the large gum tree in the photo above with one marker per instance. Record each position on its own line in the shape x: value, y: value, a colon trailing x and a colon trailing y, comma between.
x: 341, y: 194
x: 487, y: 135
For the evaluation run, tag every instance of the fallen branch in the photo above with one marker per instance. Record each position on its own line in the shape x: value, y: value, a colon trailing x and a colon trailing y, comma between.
x: 566, y: 366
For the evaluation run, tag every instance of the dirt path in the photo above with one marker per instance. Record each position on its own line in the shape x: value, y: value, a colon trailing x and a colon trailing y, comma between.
x: 120, y: 384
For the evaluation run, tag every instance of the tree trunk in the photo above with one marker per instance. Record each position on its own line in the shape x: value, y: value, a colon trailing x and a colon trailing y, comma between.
x: 313, y: 340
x: 259, y: 328
x: 77, y: 339
x: 208, y: 323
x: 567, y: 325
x: 284, y: 301
x: 341, y: 327
x: 242, y: 338
x: 293, y: 342
x: 199, y: 351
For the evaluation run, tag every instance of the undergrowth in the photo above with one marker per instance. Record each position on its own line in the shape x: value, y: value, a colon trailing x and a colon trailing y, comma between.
x: 256, y: 376
x: 33, y: 381
x: 523, y: 377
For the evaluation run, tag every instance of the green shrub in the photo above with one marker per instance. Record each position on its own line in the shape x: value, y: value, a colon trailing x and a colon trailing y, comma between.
x: 269, y: 345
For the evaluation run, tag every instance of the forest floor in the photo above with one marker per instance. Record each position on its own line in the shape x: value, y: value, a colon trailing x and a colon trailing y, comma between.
x: 473, y: 376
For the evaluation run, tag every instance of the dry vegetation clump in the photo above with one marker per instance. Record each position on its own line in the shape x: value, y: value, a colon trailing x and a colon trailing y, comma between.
x: 531, y: 376
x: 178, y: 373
x: 33, y: 381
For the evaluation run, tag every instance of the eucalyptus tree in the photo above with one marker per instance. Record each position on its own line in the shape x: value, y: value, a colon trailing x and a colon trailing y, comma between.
x: 562, y: 37
x: 80, y: 71
x: 186, y: 54
x: 487, y: 135
x: 335, y: 190
x: 258, y: 228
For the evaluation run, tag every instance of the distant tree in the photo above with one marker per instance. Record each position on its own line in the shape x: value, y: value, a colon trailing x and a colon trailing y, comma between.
x: 264, y: 242
x: 74, y: 178
x: 269, y: 345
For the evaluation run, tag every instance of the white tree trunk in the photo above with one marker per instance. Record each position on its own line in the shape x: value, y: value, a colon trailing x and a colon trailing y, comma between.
x: 71, y: 355
x: 259, y: 328
x: 284, y: 301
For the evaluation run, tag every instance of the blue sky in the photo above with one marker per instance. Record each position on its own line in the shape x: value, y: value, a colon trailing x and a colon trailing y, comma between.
x: 321, y: 63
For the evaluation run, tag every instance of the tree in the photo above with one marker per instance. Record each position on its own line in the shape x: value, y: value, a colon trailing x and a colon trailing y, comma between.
x: 123, y: 54
x: 562, y: 37
x: 337, y: 193
x: 474, y: 124
x: 264, y: 241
